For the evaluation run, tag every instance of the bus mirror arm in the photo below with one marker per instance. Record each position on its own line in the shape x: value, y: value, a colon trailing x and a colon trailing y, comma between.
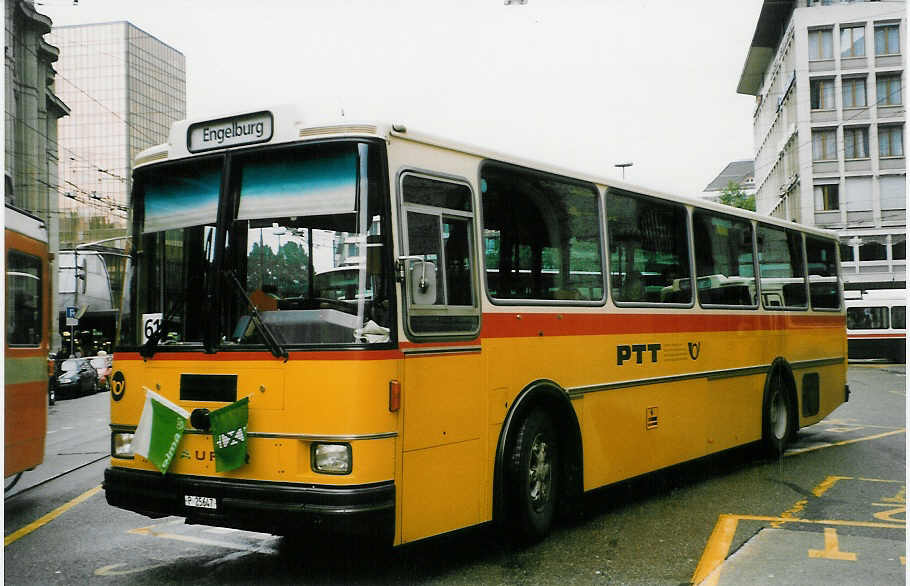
x: 401, y: 264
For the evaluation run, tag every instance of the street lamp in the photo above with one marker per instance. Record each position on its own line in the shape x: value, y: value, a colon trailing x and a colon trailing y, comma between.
x: 623, y: 167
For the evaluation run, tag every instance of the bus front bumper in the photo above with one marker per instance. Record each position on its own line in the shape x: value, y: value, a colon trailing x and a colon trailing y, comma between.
x: 280, y: 508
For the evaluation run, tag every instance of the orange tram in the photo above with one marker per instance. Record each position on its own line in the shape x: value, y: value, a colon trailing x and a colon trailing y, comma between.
x: 28, y: 316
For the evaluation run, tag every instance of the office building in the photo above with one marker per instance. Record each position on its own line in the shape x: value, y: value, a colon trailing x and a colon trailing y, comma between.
x: 827, y: 76
x: 125, y: 87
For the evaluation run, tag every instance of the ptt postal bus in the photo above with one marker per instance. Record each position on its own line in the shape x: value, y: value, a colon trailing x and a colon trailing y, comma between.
x: 511, y: 334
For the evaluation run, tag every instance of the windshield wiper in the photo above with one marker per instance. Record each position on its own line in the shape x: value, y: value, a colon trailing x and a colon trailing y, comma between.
x: 277, y: 349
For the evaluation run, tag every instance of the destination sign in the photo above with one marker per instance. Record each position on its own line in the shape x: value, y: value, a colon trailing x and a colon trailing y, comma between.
x: 229, y: 132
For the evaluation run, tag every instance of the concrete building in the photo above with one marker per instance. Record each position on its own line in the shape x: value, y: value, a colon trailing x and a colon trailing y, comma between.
x: 32, y: 109
x: 125, y: 88
x: 827, y: 76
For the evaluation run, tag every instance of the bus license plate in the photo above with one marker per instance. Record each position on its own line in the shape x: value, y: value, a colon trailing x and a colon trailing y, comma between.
x: 201, y: 502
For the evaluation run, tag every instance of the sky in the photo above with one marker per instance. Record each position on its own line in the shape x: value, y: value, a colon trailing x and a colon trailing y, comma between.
x: 575, y: 84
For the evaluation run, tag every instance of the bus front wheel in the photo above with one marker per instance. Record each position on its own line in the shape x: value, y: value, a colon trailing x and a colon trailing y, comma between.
x: 534, y: 477
x: 778, y: 416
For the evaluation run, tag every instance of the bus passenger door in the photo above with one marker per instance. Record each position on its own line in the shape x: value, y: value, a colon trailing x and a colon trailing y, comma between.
x: 443, y: 476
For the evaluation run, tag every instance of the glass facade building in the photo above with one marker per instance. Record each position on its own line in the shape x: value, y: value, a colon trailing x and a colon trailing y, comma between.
x: 125, y: 87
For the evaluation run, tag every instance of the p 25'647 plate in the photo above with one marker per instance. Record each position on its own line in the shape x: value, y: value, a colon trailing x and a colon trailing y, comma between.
x: 200, y: 502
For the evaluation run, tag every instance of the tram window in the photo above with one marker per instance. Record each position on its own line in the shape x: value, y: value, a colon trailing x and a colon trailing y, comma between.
x: 541, y: 236
x: 649, y: 250
x: 867, y: 318
x: 724, y: 266
x: 899, y: 317
x: 23, y: 299
x: 821, y: 255
x: 780, y: 262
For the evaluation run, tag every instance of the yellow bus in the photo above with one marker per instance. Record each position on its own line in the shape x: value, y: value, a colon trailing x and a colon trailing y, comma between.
x: 27, y: 339
x: 519, y: 334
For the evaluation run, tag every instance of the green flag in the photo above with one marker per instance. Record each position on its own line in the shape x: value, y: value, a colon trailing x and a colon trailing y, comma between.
x: 229, y: 435
x: 159, y: 431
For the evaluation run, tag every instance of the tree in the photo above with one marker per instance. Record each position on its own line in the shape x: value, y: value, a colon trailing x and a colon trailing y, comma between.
x: 733, y: 195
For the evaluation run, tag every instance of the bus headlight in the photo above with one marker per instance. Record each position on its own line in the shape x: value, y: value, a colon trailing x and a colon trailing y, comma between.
x: 122, y: 445
x: 331, y: 458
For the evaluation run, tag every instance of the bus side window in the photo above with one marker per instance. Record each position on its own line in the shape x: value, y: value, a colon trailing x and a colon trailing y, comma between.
x: 824, y: 292
x: 724, y: 265
x: 780, y: 262
x: 649, y: 249
x: 541, y: 236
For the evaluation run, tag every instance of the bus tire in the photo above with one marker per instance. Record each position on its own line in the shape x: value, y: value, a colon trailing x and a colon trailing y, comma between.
x: 534, y: 478
x: 778, y: 415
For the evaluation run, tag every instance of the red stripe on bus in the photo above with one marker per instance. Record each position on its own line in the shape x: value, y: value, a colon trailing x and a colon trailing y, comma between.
x: 856, y: 336
x: 566, y: 324
x: 265, y: 355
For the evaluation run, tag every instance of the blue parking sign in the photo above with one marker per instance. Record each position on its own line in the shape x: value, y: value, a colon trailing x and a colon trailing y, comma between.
x: 70, y: 312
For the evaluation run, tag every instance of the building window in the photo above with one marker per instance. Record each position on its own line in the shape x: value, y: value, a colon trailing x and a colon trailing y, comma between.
x: 853, y: 41
x: 826, y: 198
x: 856, y: 143
x: 846, y: 253
x: 898, y: 249
x: 887, y: 40
x: 820, y: 45
x: 891, y: 141
x: 822, y: 94
x: 824, y: 145
x: 892, y: 192
x: 873, y: 251
x: 888, y: 88
x: 854, y: 90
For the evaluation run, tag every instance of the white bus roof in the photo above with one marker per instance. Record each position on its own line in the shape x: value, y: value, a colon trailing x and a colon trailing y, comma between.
x: 300, y: 129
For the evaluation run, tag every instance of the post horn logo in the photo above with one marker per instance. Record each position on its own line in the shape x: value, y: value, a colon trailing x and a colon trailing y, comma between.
x: 118, y: 385
x: 694, y: 349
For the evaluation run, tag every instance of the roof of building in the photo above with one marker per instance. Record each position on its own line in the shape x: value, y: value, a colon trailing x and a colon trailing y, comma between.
x: 771, y: 26
x: 741, y: 172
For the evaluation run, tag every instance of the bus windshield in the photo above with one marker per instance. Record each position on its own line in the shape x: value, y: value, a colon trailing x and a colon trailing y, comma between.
x: 287, y: 216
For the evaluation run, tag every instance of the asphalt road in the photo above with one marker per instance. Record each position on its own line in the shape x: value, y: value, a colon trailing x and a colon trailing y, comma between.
x: 831, y: 511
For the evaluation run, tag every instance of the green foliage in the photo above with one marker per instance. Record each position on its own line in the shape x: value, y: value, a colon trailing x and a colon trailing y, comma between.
x: 287, y: 270
x: 733, y: 195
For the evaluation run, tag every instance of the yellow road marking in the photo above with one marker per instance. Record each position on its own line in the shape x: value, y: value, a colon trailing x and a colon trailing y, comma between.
x: 716, y: 550
x: 718, y: 546
x: 792, y: 512
x: 832, y: 550
x: 845, y: 442
x: 827, y: 483
x: 154, y: 531
x: 50, y: 516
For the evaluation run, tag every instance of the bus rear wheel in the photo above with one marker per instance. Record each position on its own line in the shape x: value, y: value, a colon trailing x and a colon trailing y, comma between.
x: 778, y: 416
x: 534, y: 477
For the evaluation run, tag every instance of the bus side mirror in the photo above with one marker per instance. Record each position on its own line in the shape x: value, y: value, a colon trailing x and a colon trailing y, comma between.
x: 423, y: 282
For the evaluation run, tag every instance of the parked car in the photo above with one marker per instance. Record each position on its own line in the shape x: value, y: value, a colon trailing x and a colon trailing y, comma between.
x: 103, y: 364
x: 77, y: 377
